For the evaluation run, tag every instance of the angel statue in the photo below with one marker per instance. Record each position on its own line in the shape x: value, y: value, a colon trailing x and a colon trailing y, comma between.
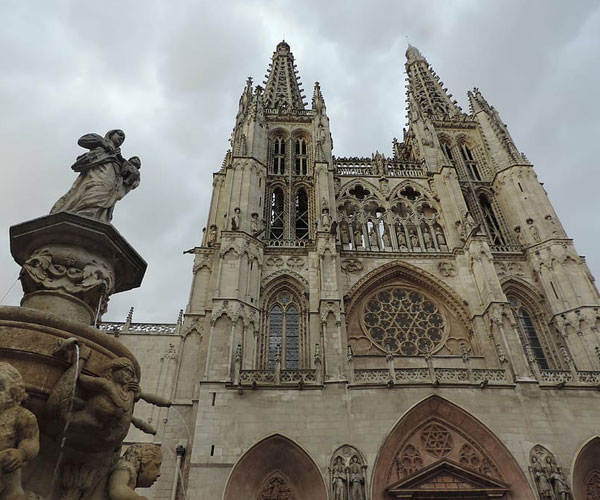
x: 104, y: 177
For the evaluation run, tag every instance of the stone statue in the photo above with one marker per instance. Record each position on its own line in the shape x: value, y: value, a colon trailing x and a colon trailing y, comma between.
x: 373, y: 238
x: 414, y: 239
x: 103, y: 409
x: 428, y: 239
x: 19, y: 434
x: 470, y: 224
x: 325, y: 219
x: 401, y: 238
x: 338, y: 479
x: 561, y: 488
x: 357, y: 237
x: 105, y: 177
x: 386, y: 238
x: 344, y: 234
x: 357, y: 480
x: 254, y: 223
x: 235, y: 219
x: 212, y: 236
x: 139, y: 467
x: 541, y: 479
x: 439, y: 236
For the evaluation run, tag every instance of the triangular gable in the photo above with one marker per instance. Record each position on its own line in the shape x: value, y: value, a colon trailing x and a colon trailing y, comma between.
x: 442, y: 479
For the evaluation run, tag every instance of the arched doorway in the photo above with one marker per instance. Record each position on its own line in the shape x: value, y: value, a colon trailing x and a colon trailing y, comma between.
x: 586, y: 471
x: 275, y: 468
x: 438, y: 450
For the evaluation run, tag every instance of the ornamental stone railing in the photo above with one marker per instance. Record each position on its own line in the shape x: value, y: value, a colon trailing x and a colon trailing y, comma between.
x: 556, y: 376
x: 149, y: 328
x: 273, y: 377
x: 287, y: 243
x: 365, y: 166
x: 589, y: 377
x: 505, y: 248
x: 428, y: 376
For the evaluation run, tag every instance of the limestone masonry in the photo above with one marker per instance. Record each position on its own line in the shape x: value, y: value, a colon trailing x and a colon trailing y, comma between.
x: 372, y: 328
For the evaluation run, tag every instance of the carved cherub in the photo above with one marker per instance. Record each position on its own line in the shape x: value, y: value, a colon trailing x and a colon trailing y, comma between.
x: 19, y: 434
x: 139, y: 467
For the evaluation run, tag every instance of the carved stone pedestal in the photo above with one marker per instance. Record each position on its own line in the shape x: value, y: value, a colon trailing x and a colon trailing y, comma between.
x: 71, y: 264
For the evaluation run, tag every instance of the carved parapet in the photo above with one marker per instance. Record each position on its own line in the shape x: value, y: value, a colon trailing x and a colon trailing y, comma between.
x: 72, y: 264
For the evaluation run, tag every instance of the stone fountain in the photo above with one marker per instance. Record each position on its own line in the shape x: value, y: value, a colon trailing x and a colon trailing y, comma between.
x: 61, y: 437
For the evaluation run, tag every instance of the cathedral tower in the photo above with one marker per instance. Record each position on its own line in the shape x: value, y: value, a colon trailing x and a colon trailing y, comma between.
x: 371, y: 327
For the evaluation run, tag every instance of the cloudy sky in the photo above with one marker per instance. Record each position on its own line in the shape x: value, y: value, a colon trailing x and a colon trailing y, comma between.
x: 170, y: 74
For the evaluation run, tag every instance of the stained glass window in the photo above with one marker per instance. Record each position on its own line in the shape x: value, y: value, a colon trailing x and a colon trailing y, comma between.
x: 528, y: 334
x: 284, y: 332
x: 403, y: 321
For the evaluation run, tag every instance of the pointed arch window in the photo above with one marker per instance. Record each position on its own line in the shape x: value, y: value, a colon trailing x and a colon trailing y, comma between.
x: 301, y: 157
x: 447, y: 151
x: 528, y: 334
x: 284, y: 332
x: 470, y: 163
x: 301, y: 214
x: 277, y: 209
x: 279, y: 156
x: 491, y: 221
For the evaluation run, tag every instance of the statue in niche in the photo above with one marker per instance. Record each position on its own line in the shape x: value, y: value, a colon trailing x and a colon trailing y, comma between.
x: 414, y: 239
x: 428, y: 239
x: 469, y: 223
x: 339, y: 479
x: 235, y: 219
x: 212, y: 236
x: 19, y: 434
x: 386, y: 238
x: 254, y: 223
x: 401, y: 238
x: 325, y: 219
x: 99, y: 419
x: 439, y: 236
x: 105, y: 177
x: 357, y: 480
x: 557, y: 479
x: 344, y: 234
x: 373, y: 237
x: 357, y: 237
x: 542, y: 480
x: 139, y: 467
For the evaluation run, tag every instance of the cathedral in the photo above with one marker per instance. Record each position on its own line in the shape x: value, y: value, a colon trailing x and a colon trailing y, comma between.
x: 413, y: 326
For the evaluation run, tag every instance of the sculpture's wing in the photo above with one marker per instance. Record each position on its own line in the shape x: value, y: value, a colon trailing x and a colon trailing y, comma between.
x: 91, y: 141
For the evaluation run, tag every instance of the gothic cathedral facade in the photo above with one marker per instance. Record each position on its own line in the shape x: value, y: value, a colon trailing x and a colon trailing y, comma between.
x: 387, y: 327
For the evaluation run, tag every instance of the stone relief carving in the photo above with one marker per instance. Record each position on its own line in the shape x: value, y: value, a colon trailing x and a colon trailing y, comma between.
x: 103, y: 409
x: 69, y: 270
x: 276, y: 488
x: 592, y: 485
x: 105, y: 177
x: 347, y: 474
x: 509, y: 269
x: 295, y: 262
x: 235, y: 219
x: 139, y: 467
x: 548, y: 476
x: 352, y: 266
x: 19, y: 434
x: 447, y: 269
x: 435, y: 440
x: 274, y: 262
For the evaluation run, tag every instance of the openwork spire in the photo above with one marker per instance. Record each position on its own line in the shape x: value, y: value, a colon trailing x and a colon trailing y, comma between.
x: 426, y: 93
x: 282, y: 88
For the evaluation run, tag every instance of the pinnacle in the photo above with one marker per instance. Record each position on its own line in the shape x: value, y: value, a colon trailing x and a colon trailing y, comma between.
x: 282, y: 88
x: 413, y: 54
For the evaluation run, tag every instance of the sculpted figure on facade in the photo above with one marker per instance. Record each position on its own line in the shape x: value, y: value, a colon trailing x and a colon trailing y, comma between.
x: 414, y: 239
x: 105, y: 177
x: 357, y: 479
x: 19, y: 434
x: 428, y: 239
x: 139, y: 467
x: 235, y: 219
x: 325, y: 219
x: 373, y: 238
x: 439, y: 236
x: 339, y: 479
x: 401, y: 238
x: 358, y: 236
x: 549, y: 478
x: 212, y: 236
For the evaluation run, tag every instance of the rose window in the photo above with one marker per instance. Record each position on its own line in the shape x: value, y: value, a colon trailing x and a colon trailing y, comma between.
x: 403, y: 321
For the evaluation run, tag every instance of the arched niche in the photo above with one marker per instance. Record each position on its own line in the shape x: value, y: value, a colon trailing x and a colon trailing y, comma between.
x: 586, y: 471
x: 275, y: 459
x: 437, y: 441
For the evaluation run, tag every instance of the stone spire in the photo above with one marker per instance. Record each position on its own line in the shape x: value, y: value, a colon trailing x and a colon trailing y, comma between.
x: 479, y: 108
x: 282, y: 88
x: 426, y: 93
